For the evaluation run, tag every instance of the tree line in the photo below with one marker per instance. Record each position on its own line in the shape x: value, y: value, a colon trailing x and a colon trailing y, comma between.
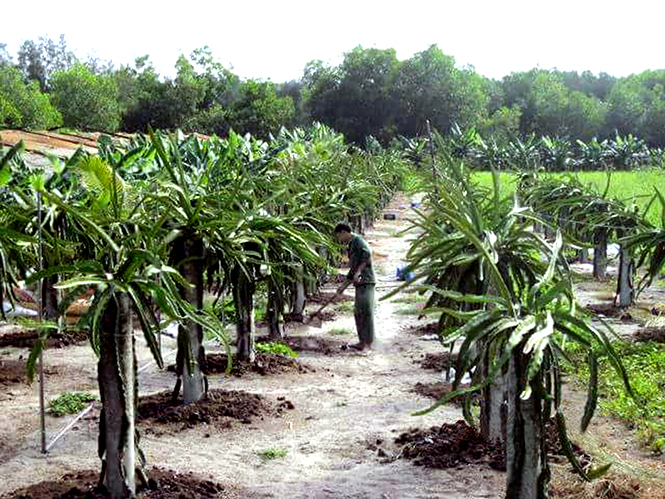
x: 371, y: 92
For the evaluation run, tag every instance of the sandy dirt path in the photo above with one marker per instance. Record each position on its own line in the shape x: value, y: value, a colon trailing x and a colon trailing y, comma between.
x: 351, y: 402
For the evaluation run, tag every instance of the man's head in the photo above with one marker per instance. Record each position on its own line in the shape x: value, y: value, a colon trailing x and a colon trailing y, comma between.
x: 343, y: 233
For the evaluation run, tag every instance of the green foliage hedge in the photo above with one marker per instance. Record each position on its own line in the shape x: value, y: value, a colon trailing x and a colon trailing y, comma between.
x: 23, y: 105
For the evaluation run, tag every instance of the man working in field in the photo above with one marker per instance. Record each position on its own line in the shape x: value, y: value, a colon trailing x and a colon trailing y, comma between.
x: 361, y: 275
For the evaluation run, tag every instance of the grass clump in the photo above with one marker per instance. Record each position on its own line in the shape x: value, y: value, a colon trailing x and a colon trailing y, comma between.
x: 409, y: 311
x: 409, y: 298
x: 345, y: 306
x: 340, y: 330
x: 276, y: 348
x: 270, y: 454
x: 70, y: 403
x: 645, y: 364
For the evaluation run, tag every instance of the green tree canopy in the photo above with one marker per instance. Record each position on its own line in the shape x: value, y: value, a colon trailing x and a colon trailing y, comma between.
x: 86, y: 101
x: 39, y: 59
x: 637, y: 106
x: 356, y: 97
x: 430, y: 86
x: 564, y: 112
x: 23, y: 105
x: 5, y: 57
x: 550, y: 107
x: 259, y: 111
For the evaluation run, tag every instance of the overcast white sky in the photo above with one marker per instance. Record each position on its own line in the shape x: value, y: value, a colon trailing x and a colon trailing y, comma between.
x: 275, y: 39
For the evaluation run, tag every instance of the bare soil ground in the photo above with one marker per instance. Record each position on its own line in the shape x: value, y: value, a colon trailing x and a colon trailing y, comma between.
x: 54, y: 143
x: 338, y: 440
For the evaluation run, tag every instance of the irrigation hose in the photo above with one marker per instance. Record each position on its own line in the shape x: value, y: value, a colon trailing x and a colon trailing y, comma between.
x: 69, y: 426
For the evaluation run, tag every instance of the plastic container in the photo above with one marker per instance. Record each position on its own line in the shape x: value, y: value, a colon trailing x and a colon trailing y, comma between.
x: 404, y: 274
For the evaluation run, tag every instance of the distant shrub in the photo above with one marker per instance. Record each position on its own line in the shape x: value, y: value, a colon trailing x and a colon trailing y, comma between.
x: 23, y: 105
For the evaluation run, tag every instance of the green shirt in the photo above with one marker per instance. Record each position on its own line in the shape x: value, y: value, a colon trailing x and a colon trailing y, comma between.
x: 359, y: 252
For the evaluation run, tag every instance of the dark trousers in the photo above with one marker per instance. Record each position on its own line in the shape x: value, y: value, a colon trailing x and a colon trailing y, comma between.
x: 363, y: 312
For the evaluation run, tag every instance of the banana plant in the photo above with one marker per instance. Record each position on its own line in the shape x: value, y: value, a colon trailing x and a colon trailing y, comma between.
x: 462, y: 143
x: 593, y: 155
x: 555, y: 154
x: 627, y: 152
x: 491, y: 154
x: 523, y: 154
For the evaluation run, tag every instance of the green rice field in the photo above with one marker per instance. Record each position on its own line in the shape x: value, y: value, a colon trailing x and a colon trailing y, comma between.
x: 631, y: 187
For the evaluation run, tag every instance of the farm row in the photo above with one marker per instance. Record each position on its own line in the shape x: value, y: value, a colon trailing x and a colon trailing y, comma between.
x: 150, y: 226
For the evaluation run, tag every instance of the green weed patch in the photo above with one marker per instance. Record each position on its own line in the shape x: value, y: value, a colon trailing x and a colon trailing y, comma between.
x: 645, y: 364
x: 270, y: 454
x: 340, y: 331
x: 69, y: 403
x: 276, y: 348
x: 345, y: 306
x: 409, y: 311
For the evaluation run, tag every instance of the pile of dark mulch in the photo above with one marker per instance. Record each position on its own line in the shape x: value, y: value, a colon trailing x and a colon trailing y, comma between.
x: 264, y: 364
x: 221, y: 408
x: 439, y: 389
x: 555, y: 450
x: 163, y: 484
x: 438, y: 361
x: 656, y: 334
x: 326, y: 346
x: 452, y: 445
x: 449, y: 446
x: 27, y: 338
x: 423, y: 329
x: 610, y: 310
